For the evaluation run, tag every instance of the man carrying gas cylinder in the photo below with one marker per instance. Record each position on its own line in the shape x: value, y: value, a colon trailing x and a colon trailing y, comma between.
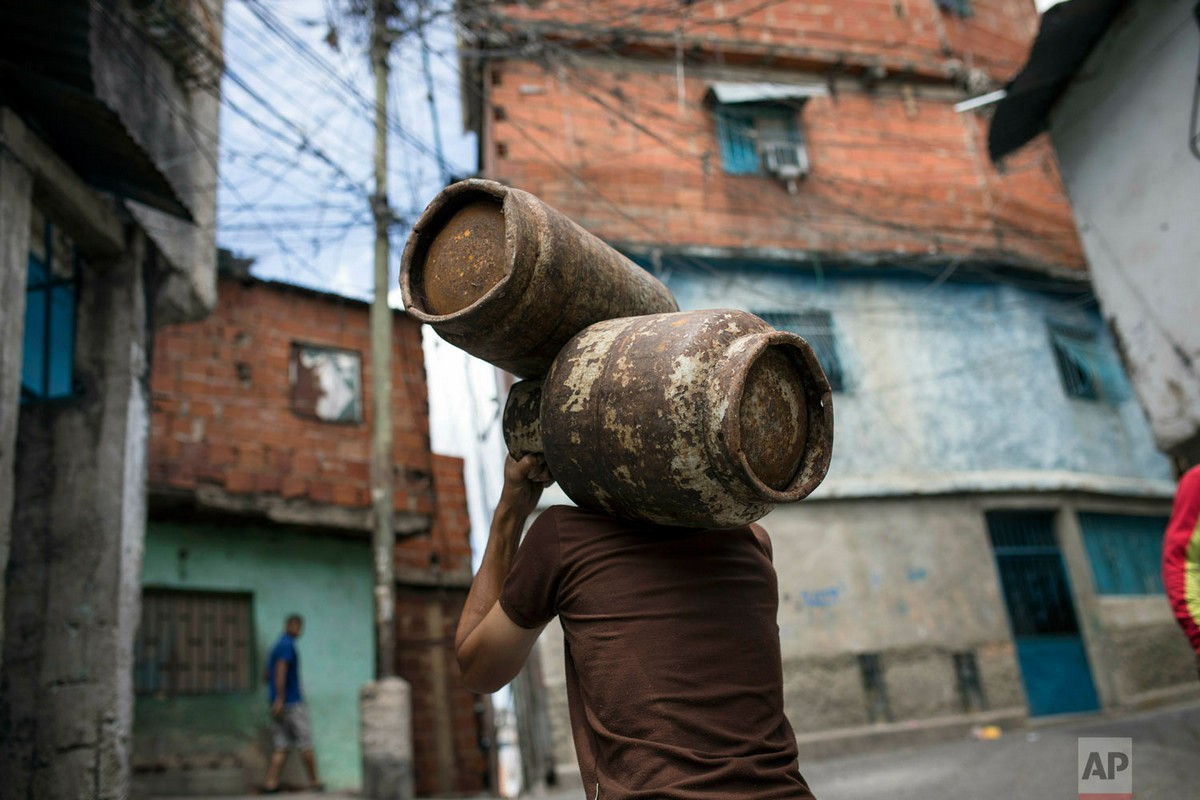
x: 674, y: 676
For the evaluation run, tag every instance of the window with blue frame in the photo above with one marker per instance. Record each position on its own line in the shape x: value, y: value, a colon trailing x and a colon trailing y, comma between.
x: 1087, y: 370
x: 962, y: 8
x: 1125, y: 551
x: 48, y: 356
x: 758, y: 137
x: 816, y: 328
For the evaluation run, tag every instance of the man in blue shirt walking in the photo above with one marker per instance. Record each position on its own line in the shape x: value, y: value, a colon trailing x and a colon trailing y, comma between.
x: 289, y: 717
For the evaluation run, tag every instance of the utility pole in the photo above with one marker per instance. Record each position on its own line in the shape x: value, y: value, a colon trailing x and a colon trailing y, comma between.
x: 384, y: 538
x: 385, y: 704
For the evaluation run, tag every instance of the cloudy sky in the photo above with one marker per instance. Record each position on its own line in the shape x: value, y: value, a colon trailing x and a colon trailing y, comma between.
x: 297, y: 138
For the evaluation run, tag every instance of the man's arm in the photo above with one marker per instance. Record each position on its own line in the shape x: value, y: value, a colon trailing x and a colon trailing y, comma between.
x: 281, y: 668
x: 491, y: 648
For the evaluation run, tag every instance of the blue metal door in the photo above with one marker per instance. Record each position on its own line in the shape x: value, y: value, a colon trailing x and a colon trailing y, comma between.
x: 1054, y: 664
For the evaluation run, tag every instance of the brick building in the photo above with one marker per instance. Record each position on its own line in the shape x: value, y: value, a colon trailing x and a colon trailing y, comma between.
x: 806, y: 162
x: 259, y: 507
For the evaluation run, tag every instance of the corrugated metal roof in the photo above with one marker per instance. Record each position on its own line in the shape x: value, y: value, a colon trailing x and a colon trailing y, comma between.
x: 1068, y: 33
x: 729, y: 93
x: 46, y: 75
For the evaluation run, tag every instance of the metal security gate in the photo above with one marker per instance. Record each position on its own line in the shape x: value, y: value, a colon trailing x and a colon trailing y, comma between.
x: 1054, y: 664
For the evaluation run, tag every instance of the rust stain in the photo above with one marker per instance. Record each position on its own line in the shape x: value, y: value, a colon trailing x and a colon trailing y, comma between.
x: 699, y: 419
x: 500, y: 274
x: 773, y: 421
x: 465, y: 259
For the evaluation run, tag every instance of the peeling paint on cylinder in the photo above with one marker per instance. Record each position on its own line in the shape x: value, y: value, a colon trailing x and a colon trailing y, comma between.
x: 498, y: 273
x: 522, y: 423
x: 699, y: 419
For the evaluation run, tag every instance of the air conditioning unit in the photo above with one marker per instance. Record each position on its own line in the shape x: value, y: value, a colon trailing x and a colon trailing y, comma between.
x: 787, y: 161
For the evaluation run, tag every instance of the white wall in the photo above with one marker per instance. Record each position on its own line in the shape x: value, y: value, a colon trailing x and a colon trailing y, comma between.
x: 1121, y: 131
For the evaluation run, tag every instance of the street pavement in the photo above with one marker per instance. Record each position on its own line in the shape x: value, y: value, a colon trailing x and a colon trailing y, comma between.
x: 1038, y: 762
x: 1034, y: 763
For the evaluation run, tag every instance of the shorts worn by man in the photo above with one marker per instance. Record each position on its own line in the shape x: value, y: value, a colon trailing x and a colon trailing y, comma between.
x: 674, y: 680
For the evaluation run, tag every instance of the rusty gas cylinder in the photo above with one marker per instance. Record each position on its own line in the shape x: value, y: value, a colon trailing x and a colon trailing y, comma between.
x: 500, y: 274
x: 701, y: 419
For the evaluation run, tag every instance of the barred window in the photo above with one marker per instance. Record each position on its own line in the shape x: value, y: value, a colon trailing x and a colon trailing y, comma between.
x: 1125, y: 552
x: 193, y: 643
x: 1087, y: 371
x: 816, y: 328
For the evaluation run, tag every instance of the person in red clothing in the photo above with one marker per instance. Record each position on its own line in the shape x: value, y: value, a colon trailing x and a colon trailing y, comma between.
x: 1181, y: 558
x: 673, y: 668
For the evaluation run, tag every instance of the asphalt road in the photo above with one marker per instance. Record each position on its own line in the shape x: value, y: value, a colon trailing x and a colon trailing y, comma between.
x: 1034, y: 763
x: 1037, y: 763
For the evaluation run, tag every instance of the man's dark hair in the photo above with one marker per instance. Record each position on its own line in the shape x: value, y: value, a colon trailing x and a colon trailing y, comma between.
x: 294, y: 618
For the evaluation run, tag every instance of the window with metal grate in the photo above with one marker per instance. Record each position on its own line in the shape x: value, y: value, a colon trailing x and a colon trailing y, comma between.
x: 1088, y: 372
x: 1125, y: 551
x: 816, y: 328
x: 193, y: 643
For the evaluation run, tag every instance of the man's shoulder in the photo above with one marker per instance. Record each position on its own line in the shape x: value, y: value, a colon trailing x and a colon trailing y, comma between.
x: 284, y: 646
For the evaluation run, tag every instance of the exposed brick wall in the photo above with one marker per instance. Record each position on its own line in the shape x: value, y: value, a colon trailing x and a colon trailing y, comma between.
x: 894, y: 172
x: 221, y: 402
x: 447, y: 546
x: 222, y: 417
x: 909, y: 36
x: 446, y: 722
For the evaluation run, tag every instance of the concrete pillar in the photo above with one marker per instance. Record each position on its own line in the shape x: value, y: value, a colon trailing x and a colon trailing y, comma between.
x: 15, y: 184
x: 66, y: 703
x: 387, y: 743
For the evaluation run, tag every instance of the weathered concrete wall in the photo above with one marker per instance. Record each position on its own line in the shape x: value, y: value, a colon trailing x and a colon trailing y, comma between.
x: 1146, y: 652
x: 15, y: 185
x: 1122, y: 141
x: 326, y: 579
x: 912, y: 581
x: 947, y: 380
x: 72, y: 585
x: 175, y: 118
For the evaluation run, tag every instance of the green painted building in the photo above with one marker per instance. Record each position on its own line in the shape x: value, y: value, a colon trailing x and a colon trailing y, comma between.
x: 215, y: 597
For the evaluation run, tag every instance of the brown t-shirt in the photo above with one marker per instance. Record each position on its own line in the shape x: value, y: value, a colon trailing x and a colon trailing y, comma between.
x: 673, y: 667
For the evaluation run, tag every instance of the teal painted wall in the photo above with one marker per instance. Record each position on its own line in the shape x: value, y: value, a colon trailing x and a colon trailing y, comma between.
x: 327, y: 580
